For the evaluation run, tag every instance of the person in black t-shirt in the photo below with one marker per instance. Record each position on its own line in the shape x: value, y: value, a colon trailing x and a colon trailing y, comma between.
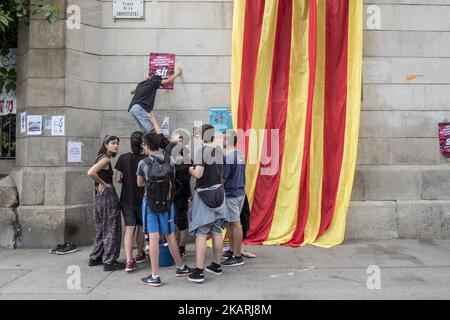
x: 108, y: 234
x: 208, y: 214
x: 144, y: 99
x: 130, y: 201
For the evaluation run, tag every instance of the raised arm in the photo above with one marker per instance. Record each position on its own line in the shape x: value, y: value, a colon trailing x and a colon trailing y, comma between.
x: 197, y: 171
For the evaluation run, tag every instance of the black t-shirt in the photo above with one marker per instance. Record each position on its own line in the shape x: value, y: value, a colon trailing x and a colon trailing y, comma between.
x: 131, y: 194
x: 105, y: 174
x: 145, y: 94
x: 211, y: 158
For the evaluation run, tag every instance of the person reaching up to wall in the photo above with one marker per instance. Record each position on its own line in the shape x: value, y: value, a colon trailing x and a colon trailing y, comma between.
x: 143, y: 100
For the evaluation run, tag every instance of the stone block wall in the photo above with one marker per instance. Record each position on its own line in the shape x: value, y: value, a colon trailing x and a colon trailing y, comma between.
x: 401, y: 184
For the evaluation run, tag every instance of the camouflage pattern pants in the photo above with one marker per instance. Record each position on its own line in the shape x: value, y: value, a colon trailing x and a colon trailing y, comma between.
x: 108, y: 226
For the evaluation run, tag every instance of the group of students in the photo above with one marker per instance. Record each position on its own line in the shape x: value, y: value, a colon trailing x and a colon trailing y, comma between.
x: 156, y: 195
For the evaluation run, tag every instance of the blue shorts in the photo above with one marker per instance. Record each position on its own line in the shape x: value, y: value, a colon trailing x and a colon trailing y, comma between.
x: 158, y: 222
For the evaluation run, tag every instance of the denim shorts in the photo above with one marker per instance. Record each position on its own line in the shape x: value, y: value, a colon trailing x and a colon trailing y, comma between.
x: 214, y: 228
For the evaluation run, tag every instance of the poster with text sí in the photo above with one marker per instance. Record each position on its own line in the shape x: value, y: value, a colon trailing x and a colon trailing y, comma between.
x: 444, y: 138
x: 162, y: 64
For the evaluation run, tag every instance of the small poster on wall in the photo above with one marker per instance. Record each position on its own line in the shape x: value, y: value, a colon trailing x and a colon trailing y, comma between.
x: 444, y: 138
x: 34, y: 125
x: 128, y: 9
x: 220, y: 118
x: 162, y: 64
x: 58, y: 125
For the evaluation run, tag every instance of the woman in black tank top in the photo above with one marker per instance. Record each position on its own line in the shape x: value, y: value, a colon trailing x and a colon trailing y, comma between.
x: 107, y: 219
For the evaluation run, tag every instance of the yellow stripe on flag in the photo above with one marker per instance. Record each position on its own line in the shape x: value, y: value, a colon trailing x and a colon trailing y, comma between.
x: 316, y: 153
x: 261, y: 95
x: 334, y: 235
x: 236, y: 57
x: 286, y: 208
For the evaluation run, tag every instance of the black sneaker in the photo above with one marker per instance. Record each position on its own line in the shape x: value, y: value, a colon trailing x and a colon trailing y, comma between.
x: 233, y: 262
x: 152, y: 282
x: 183, y: 252
x: 184, y: 272
x: 227, y: 254
x: 113, y: 266
x: 214, y: 268
x: 57, y: 247
x: 197, y: 276
x: 68, y: 248
x: 96, y: 262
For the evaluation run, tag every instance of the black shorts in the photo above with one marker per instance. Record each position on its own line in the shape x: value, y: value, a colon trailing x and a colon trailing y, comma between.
x: 132, y: 215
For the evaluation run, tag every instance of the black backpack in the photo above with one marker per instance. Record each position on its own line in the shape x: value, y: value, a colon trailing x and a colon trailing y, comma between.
x: 159, y: 183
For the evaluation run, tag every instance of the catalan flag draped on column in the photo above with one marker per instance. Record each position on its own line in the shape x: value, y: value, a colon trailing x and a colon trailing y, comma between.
x: 297, y: 68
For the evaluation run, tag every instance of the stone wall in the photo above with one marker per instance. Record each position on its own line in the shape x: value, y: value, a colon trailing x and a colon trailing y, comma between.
x: 402, y: 182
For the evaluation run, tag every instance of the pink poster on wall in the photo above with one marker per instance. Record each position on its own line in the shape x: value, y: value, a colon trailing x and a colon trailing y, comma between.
x: 162, y: 64
x: 444, y: 138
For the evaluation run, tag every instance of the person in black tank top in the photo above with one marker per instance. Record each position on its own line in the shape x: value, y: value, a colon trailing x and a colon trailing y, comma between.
x: 143, y: 100
x: 108, y: 224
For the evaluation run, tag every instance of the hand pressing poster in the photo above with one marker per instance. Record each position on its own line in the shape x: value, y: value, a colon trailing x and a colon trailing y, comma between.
x: 34, y: 125
x: 162, y: 64
x: 58, y: 125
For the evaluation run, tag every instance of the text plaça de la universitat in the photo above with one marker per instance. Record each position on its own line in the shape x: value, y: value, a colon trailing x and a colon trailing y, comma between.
x: 226, y: 309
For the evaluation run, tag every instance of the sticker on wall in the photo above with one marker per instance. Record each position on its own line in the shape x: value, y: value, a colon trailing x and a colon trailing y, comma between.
x: 74, y: 151
x: 412, y: 77
x: 34, y: 125
x: 23, y: 122
x: 128, y: 9
x: 165, y: 127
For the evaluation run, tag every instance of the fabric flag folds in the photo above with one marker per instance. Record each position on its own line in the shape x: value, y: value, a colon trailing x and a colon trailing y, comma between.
x: 296, y: 94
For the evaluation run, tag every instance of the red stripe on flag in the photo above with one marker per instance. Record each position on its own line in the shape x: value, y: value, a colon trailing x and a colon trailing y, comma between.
x: 267, y: 186
x: 335, y: 104
x: 303, y: 199
x: 254, y: 16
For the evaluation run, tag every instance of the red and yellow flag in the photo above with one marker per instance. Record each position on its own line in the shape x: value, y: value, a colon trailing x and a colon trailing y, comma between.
x: 296, y: 91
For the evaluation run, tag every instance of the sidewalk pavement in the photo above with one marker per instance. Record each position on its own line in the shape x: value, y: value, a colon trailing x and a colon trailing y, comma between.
x: 409, y: 269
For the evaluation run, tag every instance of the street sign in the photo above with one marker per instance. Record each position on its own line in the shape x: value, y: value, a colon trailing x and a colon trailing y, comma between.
x: 128, y: 9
